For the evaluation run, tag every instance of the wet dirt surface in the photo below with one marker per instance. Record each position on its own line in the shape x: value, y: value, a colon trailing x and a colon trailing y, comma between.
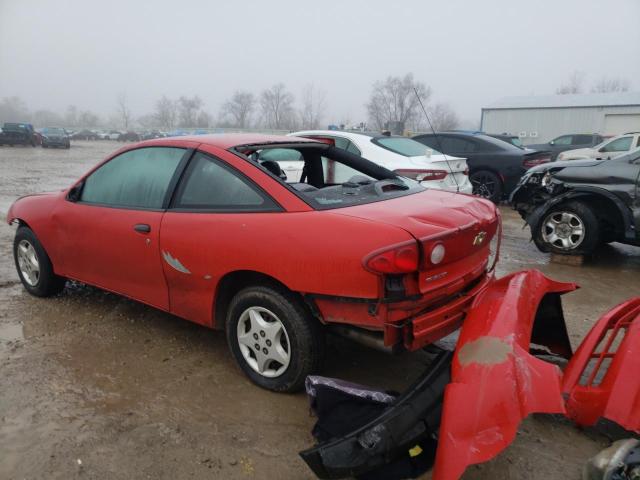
x: 93, y: 385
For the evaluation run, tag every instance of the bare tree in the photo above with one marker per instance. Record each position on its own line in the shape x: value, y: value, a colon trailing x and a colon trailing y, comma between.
x: 123, y: 111
x: 147, y: 121
x: 443, y: 117
x: 13, y: 109
x: 572, y: 85
x: 46, y: 118
x: 188, y: 109
x: 607, y: 85
x: 88, y: 119
x: 203, y: 120
x: 394, y: 100
x: 165, y: 113
x: 276, y: 105
x: 71, y: 116
x: 240, y: 108
x: 313, y: 107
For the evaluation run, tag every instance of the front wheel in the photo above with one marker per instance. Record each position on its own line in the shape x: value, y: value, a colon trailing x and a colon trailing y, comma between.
x: 273, y: 338
x: 570, y: 228
x: 487, y: 184
x: 34, y: 266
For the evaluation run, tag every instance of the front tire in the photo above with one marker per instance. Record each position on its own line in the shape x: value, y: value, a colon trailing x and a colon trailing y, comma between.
x: 273, y: 338
x: 569, y: 228
x: 487, y: 184
x: 34, y: 266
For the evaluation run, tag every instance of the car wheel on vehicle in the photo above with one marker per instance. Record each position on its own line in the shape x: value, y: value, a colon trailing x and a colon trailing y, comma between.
x: 569, y: 228
x: 273, y: 338
x: 487, y: 184
x: 34, y: 266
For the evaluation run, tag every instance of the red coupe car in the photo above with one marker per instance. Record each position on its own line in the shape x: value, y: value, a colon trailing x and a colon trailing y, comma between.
x: 205, y: 228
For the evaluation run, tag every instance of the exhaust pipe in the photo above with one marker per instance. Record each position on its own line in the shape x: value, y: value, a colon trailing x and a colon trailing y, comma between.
x: 364, y: 337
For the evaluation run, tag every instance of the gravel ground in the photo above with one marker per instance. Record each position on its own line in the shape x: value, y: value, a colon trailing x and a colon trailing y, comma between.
x: 93, y: 385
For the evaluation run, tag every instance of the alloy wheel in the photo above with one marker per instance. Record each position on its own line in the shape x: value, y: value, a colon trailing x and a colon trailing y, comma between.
x: 483, y: 185
x: 564, y: 230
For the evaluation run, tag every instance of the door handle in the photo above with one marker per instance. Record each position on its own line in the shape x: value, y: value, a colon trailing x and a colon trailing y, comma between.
x: 142, y: 228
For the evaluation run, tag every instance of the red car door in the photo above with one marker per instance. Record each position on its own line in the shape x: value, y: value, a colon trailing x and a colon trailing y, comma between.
x: 213, y: 227
x: 109, y: 237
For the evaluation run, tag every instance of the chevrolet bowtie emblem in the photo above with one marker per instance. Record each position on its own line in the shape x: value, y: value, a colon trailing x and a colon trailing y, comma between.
x: 479, y: 238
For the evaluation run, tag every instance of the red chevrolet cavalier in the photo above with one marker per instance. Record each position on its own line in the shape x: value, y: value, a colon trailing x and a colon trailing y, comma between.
x: 209, y: 229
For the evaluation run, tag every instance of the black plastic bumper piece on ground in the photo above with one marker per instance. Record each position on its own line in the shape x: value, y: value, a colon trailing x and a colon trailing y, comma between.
x: 414, y: 416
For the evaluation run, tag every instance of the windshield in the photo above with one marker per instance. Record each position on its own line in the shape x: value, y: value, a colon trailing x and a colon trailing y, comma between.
x: 54, y: 130
x: 328, y: 177
x: 403, y: 146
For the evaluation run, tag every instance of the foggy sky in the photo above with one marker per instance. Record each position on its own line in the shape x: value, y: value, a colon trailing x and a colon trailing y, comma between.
x: 56, y: 53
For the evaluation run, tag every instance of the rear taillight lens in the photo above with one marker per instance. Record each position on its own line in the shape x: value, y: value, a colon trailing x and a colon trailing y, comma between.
x: 466, y: 171
x: 422, y: 175
x: 532, y: 162
x: 399, y: 259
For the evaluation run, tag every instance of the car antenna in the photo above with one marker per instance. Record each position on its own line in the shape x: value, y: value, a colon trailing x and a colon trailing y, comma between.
x: 424, y: 110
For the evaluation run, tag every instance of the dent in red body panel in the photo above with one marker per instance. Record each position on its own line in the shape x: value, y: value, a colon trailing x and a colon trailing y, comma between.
x: 602, y: 380
x: 495, y: 381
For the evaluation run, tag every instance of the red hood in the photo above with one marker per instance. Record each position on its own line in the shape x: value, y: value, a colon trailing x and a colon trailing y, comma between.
x: 428, y: 213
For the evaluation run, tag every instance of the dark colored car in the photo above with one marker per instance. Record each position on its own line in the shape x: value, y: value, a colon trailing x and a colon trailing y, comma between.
x: 568, y: 142
x: 55, y: 137
x: 85, y: 135
x: 574, y: 206
x: 495, y: 166
x: 17, y: 134
x: 129, y: 137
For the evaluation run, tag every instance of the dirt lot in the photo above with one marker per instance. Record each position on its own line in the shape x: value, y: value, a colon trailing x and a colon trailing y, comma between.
x: 96, y: 386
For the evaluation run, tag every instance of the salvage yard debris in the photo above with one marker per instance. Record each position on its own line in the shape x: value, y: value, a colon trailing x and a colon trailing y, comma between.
x: 496, y: 381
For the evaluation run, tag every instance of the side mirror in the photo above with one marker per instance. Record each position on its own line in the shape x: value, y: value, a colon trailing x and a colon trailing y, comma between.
x: 552, y: 142
x: 428, y: 152
x: 74, y: 193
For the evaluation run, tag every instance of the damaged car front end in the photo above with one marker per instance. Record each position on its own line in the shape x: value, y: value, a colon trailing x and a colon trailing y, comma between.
x: 473, y: 400
x: 572, y: 207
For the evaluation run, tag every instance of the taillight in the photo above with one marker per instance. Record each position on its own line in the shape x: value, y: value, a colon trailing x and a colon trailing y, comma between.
x: 399, y: 259
x: 466, y: 171
x: 422, y: 175
x: 532, y: 162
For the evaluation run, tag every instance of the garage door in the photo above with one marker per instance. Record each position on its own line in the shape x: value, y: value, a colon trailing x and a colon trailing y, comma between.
x: 618, y: 123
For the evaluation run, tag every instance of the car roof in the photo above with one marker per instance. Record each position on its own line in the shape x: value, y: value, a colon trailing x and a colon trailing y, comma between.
x: 228, y: 140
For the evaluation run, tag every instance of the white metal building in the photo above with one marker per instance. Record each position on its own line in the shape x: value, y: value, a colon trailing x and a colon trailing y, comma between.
x: 538, y: 119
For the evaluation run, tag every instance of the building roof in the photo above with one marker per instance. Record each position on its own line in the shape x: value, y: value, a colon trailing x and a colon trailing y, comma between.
x: 567, y: 101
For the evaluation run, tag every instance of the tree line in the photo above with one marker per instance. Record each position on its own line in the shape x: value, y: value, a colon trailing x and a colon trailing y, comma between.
x: 392, y: 100
x: 575, y: 84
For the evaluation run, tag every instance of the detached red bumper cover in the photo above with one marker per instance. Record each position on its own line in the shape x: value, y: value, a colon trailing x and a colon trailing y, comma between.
x: 495, y: 381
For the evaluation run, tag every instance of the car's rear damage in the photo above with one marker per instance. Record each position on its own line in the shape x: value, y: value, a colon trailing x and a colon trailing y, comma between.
x: 498, y: 377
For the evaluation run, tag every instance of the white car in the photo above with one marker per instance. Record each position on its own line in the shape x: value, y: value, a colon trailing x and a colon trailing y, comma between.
x: 610, y: 148
x: 401, y: 154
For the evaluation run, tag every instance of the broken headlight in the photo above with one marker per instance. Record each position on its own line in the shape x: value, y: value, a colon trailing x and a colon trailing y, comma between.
x: 546, y: 179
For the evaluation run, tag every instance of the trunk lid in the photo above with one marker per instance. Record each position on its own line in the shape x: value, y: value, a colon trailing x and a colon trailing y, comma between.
x: 428, y: 213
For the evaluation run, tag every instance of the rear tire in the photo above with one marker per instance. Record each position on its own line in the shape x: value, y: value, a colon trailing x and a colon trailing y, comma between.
x: 273, y: 338
x: 570, y: 228
x: 34, y: 266
x: 487, y: 184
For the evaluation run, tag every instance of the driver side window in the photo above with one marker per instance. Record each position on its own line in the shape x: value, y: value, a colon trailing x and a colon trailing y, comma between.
x: 622, y: 144
x: 564, y: 140
x: 135, y: 179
